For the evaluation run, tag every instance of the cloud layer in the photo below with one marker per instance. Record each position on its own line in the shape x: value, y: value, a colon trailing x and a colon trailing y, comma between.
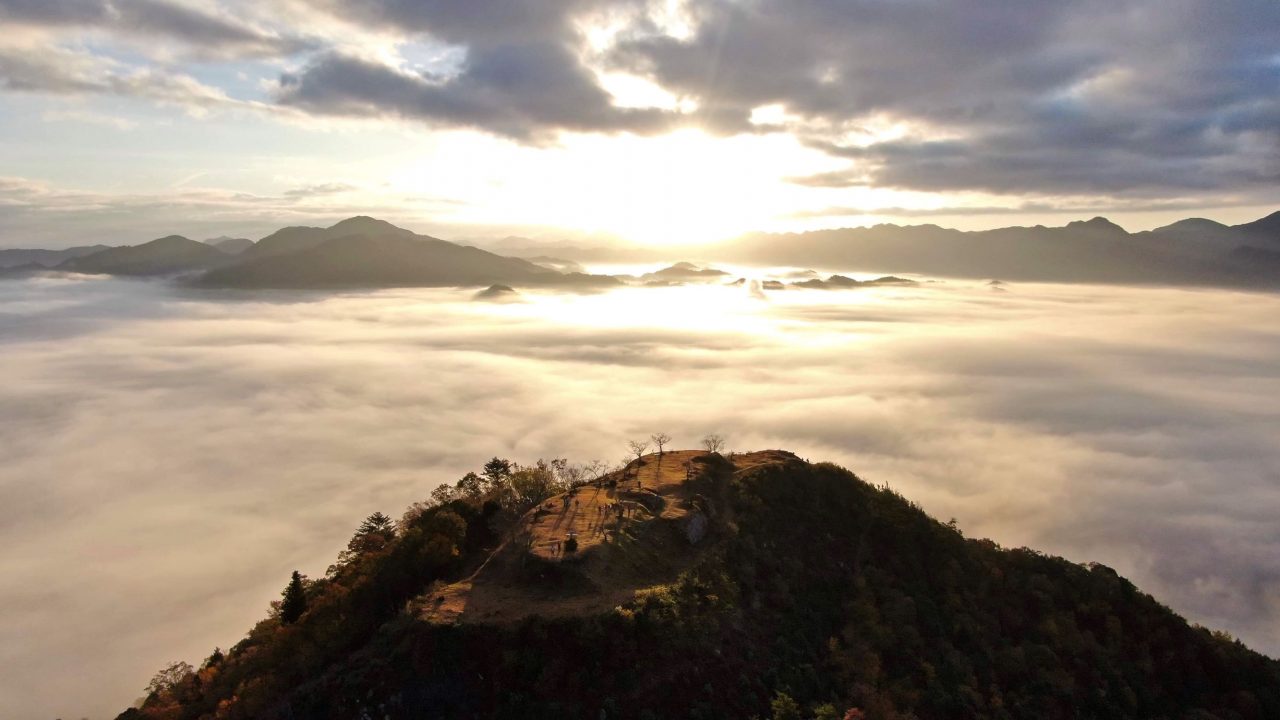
x: 170, y: 456
x: 1143, y: 98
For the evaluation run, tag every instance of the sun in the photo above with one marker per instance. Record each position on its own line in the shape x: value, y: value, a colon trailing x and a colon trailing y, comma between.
x: 684, y: 187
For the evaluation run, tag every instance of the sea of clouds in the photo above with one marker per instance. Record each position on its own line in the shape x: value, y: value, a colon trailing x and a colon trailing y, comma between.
x: 168, y: 456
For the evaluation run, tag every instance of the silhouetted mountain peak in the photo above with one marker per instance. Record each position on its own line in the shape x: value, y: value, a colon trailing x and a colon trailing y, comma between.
x: 166, y: 255
x: 365, y: 252
x: 496, y: 292
x: 1193, y: 225
x: 682, y: 271
x: 365, y: 225
x: 1098, y: 224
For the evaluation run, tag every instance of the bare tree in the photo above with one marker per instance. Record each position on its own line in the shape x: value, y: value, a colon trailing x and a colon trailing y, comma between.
x: 661, y: 440
x: 637, y: 448
x: 571, y: 474
x: 713, y: 443
x: 168, y: 679
x: 443, y: 494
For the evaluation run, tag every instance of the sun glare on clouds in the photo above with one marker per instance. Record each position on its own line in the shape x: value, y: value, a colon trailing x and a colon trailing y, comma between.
x: 681, y: 188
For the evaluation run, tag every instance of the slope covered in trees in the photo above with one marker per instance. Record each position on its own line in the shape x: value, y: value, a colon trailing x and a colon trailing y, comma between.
x: 813, y: 595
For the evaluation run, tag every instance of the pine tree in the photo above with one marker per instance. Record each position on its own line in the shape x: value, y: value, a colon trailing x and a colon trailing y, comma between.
x: 497, y: 470
x: 295, y: 600
x: 377, y: 523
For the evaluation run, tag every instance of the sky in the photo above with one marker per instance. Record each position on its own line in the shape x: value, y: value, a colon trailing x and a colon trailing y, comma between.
x: 658, y: 122
x: 171, y: 455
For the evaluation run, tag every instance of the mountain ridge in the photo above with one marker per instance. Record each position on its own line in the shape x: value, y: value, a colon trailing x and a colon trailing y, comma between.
x: 10, y: 257
x: 171, y: 254
x: 1095, y: 250
x: 1193, y: 251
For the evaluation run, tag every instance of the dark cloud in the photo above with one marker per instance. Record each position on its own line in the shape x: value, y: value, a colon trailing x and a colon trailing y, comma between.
x: 484, y: 23
x: 526, y: 92
x: 206, y: 33
x: 43, y: 12
x: 215, y: 34
x: 1133, y: 96
x: 23, y: 72
x: 1145, y: 98
x: 523, y: 75
x: 1042, y: 97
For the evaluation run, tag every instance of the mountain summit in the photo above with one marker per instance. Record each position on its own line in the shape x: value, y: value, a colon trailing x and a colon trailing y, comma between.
x: 1098, y: 225
x: 365, y: 225
x: 690, y: 584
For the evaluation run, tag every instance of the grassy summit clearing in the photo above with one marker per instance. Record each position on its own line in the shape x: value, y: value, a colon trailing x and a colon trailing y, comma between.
x: 632, y: 529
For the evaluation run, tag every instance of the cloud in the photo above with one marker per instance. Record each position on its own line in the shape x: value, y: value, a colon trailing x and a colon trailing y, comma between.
x: 1023, y: 209
x: 320, y: 189
x: 528, y: 92
x: 91, y: 118
x: 148, y: 426
x: 217, y: 34
x: 1041, y: 97
x: 70, y: 12
x: 206, y: 34
x: 524, y: 71
x: 62, y: 72
x: 37, y: 214
x: 1036, y: 99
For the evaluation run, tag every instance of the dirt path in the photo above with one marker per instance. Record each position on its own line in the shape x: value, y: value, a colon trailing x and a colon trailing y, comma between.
x: 594, y: 511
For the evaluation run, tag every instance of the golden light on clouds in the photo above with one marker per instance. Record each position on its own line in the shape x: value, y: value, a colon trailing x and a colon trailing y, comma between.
x: 686, y: 187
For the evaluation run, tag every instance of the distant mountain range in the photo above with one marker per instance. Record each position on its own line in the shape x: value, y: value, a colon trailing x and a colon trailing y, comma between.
x: 46, y: 258
x: 357, y: 252
x: 165, y: 256
x: 1193, y: 251
x: 366, y: 252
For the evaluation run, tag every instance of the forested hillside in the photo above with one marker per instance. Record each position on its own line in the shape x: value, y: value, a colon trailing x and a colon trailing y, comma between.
x: 812, y: 595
